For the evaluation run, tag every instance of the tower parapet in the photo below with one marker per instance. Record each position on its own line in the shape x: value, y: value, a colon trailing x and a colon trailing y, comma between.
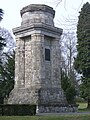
x: 37, y: 13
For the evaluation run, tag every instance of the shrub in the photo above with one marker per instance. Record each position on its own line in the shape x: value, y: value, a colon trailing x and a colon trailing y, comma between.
x: 68, y: 88
x: 17, y: 109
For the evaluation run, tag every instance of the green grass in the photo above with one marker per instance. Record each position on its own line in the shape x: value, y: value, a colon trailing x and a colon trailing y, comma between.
x: 66, y: 117
x: 49, y: 117
x: 82, y: 105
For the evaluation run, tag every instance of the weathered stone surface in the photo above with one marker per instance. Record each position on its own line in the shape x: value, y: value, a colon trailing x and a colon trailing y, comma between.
x: 37, y: 14
x: 37, y: 81
x: 56, y: 108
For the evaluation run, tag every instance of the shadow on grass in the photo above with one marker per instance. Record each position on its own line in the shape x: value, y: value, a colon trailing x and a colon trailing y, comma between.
x: 84, y: 110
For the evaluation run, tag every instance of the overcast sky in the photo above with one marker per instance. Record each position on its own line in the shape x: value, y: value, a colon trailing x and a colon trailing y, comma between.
x: 66, y: 9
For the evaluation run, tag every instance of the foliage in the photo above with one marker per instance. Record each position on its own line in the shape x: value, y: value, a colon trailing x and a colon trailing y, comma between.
x: 68, y: 52
x: 68, y: 88
x: 7, y: 45
x: 85, y: 92
x: 7, y: 76
x: 82, y: 61
x: 9, y: 40
x: 2, y: 45
x: 17, y: 109
x: 1, y: 14
x: 1, y: 38
x: 79, y: 99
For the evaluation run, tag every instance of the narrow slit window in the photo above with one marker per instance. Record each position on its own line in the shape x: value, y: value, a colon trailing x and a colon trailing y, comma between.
x: 47, y: 54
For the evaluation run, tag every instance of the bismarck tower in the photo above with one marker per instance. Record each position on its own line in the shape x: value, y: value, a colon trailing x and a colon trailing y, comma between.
x: 37, y: 61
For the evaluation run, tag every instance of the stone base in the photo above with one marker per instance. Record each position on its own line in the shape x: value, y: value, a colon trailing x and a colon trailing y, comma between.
x: 23, y: 96
x: 56, y: 108
x: 37, y: 96
x: 47, y: 100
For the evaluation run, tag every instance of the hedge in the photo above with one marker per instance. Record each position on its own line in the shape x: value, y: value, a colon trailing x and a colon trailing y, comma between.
x: 17, y: 109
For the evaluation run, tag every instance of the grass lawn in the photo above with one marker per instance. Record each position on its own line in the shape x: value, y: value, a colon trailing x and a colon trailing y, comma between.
x: 83, y: 107
x: 66, y: 117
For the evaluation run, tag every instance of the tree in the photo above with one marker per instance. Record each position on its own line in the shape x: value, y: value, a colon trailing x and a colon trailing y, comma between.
x: 1, y: 14
x: 68, y: 51
x: 68, y: 88
x: 7, y: 45
x: 2, y: 40
x: 82, y: 61
x: 2, y: 45
x: 7, y: 76
x: 7, y: 67
x: 10, y: 42
x: 59, y: 1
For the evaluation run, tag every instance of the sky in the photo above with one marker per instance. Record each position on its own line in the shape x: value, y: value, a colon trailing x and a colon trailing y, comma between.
x: 67, y: 9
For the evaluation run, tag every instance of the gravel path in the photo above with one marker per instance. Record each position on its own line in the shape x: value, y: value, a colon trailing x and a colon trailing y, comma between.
x: 74, y: 113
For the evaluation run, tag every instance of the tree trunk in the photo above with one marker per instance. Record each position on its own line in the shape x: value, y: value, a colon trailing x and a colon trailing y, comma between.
x: 88, y: 102
x: 1, y: 100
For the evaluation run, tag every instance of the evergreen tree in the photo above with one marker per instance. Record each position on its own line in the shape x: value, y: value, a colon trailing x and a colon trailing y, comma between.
x: 6, y: 62
x: 7, y: 76
x: 82, y: 61
x: 2, y: 40
x: 68, y: 87
x: 1, y: 14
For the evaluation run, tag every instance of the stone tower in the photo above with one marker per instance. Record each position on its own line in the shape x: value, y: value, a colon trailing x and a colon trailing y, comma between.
x: 37, y: 61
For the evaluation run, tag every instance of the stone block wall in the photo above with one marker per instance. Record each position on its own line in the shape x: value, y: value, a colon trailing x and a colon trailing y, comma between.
x: 37, y: 72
